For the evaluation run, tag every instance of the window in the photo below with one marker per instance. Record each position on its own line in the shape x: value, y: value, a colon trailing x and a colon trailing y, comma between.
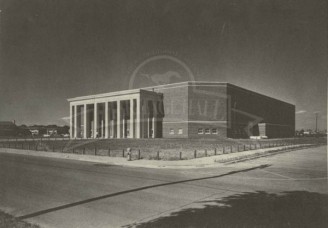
x: 180, y: 131
x: 207, y: 131
x: 200, y: 131
x: 215, y: 131
x: 171, y: 131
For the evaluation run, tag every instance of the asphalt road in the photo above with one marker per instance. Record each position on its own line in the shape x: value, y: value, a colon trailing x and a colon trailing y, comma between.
x: 285, y: 190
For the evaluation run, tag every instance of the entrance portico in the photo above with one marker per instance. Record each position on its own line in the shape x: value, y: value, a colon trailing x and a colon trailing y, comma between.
x: 125, y: 114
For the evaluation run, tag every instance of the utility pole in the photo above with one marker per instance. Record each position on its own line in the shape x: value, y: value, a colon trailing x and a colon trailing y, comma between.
x: 316, y: 122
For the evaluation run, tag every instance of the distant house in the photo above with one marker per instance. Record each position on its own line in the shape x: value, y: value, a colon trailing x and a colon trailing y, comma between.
x: 8, y: 129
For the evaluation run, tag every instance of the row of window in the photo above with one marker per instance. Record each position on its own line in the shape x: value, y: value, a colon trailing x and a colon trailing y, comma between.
x: 201, y: 131
x: 180, y: 131
x: 207, y: 131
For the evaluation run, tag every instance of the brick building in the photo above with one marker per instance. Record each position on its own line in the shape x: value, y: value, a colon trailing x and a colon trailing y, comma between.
x: 181, y: 110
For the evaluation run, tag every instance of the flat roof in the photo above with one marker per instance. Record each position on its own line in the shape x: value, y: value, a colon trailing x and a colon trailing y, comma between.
x: 150, y: 88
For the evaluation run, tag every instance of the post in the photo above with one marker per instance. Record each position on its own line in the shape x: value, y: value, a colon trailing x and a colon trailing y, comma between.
x: 157, y: 155
x: 231, y: 149
x: 215, y: 151
x: 180, y: 155
x: 95, y: 150
x: 123, y: 153
x: 195, y: 154
x: 244, y: 147
x: 139, y: 154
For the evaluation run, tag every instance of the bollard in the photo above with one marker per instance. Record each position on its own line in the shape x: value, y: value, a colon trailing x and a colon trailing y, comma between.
x: 108, y: 152
x: 195, y: 154
x: 123, y: 153
x: 214, y: 151
x: 139, y: 154
x: 180, y: 155
x: 205, y: 153
x: 157, y: 155
x: 231, y: 149
x: 36, y: 147
x: 95, y: 150
x: 244, y: 147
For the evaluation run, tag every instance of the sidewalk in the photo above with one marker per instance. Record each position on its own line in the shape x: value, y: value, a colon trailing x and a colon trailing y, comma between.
x: 212, y: 161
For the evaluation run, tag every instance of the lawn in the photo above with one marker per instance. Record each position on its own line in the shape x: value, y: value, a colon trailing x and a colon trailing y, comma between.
x: 7, y: 220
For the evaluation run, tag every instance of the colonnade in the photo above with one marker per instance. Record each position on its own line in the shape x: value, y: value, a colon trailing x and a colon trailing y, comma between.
x: 128, y: 118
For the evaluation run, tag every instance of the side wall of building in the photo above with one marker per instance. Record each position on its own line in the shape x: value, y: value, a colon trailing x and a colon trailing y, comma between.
x: 248, y: 109
x: 207, y: 107
x: 175, y: 102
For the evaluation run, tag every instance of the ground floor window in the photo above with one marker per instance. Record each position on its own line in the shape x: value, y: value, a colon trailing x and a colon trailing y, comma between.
x: 180, y: 131
x: 200, y: 131
x: 215, y: 131
x: 207, y: 131
x: 171, y: 131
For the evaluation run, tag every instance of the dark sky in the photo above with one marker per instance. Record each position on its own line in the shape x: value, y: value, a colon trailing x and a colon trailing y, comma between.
x: 52, y: 50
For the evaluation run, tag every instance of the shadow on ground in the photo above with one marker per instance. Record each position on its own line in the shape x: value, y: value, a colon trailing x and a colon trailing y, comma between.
x: 256, y: 209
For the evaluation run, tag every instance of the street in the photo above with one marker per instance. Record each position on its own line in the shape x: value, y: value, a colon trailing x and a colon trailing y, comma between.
x: 285, y: 190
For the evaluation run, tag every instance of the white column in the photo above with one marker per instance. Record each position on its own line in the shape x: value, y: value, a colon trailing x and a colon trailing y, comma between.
x: 71, y: 121
x: 75, y: 121
x: 106, y: 120
x: 154, y: 118
x: 138, y: 118
x: 85, y: 121
x: 118, y: 120
x: 95, y: 121
x: 131, y: 119
x: 123, y: 126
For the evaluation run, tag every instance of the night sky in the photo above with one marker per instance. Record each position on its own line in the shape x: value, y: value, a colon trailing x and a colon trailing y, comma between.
x: 53, y: 50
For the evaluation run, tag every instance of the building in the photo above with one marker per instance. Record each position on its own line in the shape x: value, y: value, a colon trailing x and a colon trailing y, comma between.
x: 8, y: 129
x: 181, y: 110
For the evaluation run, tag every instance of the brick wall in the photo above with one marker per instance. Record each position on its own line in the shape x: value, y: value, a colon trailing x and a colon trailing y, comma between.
x: 207, y: 110
x: 175, y: 101
x: 249, y: 108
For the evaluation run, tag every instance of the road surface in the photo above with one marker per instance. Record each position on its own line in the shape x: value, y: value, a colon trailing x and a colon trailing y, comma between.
x: 285, y: 190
